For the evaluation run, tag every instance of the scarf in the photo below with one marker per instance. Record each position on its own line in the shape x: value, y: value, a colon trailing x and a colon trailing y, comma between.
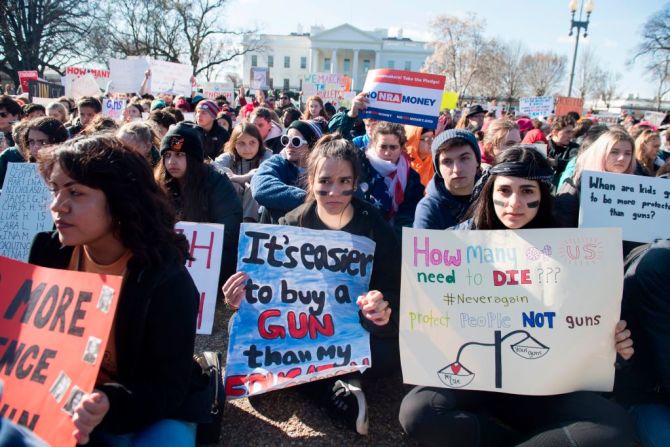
x: 394, y: 177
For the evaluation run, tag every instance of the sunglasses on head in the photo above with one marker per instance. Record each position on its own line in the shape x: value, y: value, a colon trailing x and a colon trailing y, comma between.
x: 294, y: 142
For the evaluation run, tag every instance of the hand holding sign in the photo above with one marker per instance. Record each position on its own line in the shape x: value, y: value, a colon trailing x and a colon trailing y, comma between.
x: 624, y: 344
x: 359, y: 103
x: 374, y: 307
x: 88, y: 415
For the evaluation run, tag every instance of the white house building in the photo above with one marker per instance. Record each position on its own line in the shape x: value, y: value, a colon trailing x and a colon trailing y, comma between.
x: 344, y: 49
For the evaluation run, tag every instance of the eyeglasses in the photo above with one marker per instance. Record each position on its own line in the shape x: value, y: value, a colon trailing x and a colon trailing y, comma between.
x: 34, y: 143
x: 294, y: 142
x: 388, y: 147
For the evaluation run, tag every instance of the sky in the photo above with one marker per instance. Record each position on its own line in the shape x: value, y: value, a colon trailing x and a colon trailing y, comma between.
x: 614, y: 28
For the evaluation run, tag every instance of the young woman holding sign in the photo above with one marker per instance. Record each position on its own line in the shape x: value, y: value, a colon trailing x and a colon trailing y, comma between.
x: 516, y: 195
x: 112, y: 218
x: 333, y: 173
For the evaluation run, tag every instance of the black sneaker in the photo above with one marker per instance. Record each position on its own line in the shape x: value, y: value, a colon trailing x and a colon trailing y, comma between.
x: 347, y: 404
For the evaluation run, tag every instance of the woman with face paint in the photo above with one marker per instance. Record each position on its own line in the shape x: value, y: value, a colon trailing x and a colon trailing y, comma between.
x: 516, y: 195
x: 333, y: 174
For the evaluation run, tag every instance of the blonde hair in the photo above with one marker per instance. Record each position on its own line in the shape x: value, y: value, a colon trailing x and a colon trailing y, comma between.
x: 65, y: 116
x: 641, y: 155
x: 495, y: 132
x: 595, y: 156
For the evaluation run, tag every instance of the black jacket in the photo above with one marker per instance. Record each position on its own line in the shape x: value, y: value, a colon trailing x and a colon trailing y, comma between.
x: 386, y: 268
x: 214, y: 140
x: 155, y: 334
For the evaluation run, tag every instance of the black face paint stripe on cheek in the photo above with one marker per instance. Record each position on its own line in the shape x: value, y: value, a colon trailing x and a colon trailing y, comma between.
x: 533, y: 204
x: 349, y: 192
x: 498, y: 202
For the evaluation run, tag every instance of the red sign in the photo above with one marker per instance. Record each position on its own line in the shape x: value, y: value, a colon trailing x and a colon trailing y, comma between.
x: 565, y: 104
x: 24, y: 77
x: 53, y: 333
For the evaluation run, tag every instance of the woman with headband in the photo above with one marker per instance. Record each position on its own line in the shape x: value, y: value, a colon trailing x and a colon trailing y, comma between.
x: 516, y: 195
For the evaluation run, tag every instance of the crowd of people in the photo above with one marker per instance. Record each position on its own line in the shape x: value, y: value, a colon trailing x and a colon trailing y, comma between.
x: 119, y: 187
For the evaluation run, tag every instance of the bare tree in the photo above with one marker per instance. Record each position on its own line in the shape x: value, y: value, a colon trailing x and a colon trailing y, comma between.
x: 605, y: 86
x: 512, y: 70
x: 458, y: 49
x: 588, y: 72
x: 40, y: 34
x: 543, y: 72
x: 488, y: 83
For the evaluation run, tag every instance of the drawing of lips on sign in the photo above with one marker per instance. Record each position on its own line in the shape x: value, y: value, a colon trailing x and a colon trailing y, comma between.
x: 455, y: 375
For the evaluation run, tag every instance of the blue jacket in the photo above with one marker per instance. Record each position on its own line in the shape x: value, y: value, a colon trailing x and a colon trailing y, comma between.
x: 277, y: 186
x: 439, y: 209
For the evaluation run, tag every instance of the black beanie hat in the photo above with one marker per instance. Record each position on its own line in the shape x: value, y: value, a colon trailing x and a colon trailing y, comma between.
x: 311, y: 130
x: 184, y: 137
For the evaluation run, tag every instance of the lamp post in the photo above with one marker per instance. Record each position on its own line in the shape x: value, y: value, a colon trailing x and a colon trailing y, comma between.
x: 579, y: 24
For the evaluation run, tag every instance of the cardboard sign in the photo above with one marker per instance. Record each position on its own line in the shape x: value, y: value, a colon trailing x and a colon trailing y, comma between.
x: 24, y: 210
x: 113, y: 108
x: 54, y: 331
x: 84, y: 86
x: 43, y: 89
x: 24, y: 77
x: 127, y: 75
x: 259, y: 78
x: 654, y: 118
x: 536, y: 106
x: 170, y: 77
x: 205, y: 242
x: 565, y: 104
x: 211, y: 90
x: 639, y: 205
x: 510, y: 311
x: 449, y: 100
x: 330, y: 87
x: 404, y: 97
x: 299, y: 321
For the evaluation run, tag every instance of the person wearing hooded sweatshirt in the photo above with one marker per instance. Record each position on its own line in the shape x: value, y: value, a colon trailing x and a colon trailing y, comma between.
x: 457, y: 159
x: 278, y: 185
x: 261, y: 117
x: 419, y: 141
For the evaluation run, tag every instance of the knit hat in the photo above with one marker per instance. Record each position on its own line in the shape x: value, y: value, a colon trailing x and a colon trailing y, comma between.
x: 311, y: 130
x: 184, y: 137
x: 196, y: 99
x: 158, y: 104
x: 450, y: 134
x: 209, y: 107
x: 183, y: 105
x: 525, y: 124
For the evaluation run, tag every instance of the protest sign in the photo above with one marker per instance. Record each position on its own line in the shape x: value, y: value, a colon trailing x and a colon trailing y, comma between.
x: 449, y: 100
x: 259, y: 78
x: 330, y: 87
x: 45, y: 89
x: 654, y: 118
x: 565, y: 104
x: 113, y: 108
x: 404, y: 97
x: 211, y: 90
x: 24, y: 210
x: 205, y: 241
x: 54, y: 331
x: 170, y: 77
x: 510, y: 311
x: 42, y: 101
x: 606, y: 117
x: 24, y: 77
x: 536, y: 106
x: 101, y: 76
x: 639, y: 205
x: 299, y: 321
x: 84, y: 86
x: 127, y: 75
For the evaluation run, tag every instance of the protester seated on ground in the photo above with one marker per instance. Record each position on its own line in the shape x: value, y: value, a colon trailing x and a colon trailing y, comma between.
x: 278, y: 185
x: 581, y: 127
x: 516, y: 196
x: 160, y: 121
x: 333, y: 173
x: 140, y: 137
x: 10, y: 113
x: 111, y: 218
x: 387, y: 180
x: 100, y: 124
x: 611, y: 152
x: 270, y: 130
x: 535, y: 135
x: 58, y: 111
x: 290, y: 114
x: 643, y: 383
x: 587, y: 139
x: 32, y: 111
x: 561, y: 147
x: 214, y: 136
x: 33, y: 135
x: 345, y: 122
x: 132, y: 112
x: 456, y: 156
x: 87, y: 109
x: 524, y: 125
x: 418, y: 144
x: 198, y: 192
x: 647, y: 147
x: 664, y: 171
x: 472, y: 118
x: 224, y: 120
x: 243, y: 155
x: 176, y: 113
x: 499, y: 135
x: 313, y: 108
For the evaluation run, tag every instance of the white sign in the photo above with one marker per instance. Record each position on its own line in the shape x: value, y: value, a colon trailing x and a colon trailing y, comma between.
x: 113, y: 108
x: 655, y: 118
x: 330, y: 87
x: 639, y: 205
x: 536, y: 106
x: 127, y: 75
x: 211, y: 90
x: 84, y: 86
x: 171, y: 78
x: 102, y: 77
x: 259, y: 78
x: 514, y: 311
x: 24, y: 210
x: 206, y: 246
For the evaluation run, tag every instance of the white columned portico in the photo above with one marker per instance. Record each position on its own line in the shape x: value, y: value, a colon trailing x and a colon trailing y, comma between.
x: 377, y: 59
x: 333, y: 61
x: 354, y: 73
x: 313, y: 60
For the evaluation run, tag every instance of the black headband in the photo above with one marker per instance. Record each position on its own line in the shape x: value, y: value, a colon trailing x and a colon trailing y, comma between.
x: 528, y: 171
